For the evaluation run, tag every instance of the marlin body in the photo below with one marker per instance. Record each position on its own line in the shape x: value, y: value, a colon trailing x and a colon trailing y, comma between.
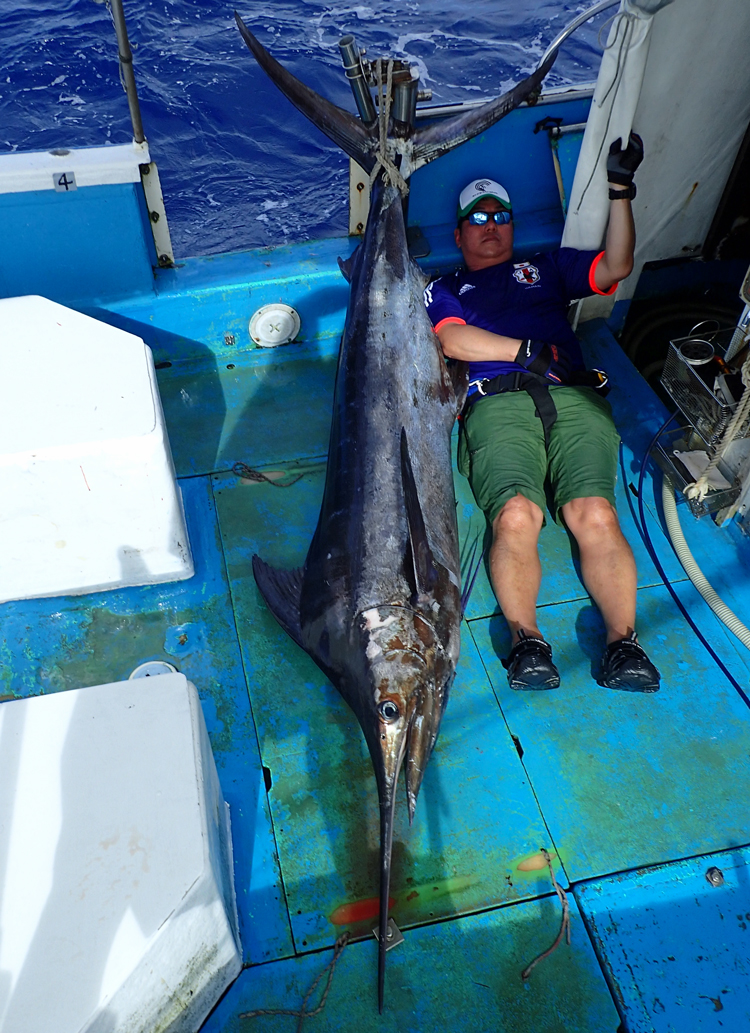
x: 377, y: 603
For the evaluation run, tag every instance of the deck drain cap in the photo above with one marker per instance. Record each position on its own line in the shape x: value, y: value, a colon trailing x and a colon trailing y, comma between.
x: 152, y: 668
x: 274, y: 324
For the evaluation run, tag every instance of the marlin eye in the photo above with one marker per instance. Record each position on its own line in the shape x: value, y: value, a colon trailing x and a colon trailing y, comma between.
x: 388, y: 711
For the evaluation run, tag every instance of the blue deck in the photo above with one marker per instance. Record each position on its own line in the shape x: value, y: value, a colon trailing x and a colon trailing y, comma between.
x: 634, y: 797
x: 629, y: 793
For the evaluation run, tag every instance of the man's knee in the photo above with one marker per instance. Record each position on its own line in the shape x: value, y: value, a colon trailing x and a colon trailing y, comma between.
x: 591, y: 515
x: 518, y: 516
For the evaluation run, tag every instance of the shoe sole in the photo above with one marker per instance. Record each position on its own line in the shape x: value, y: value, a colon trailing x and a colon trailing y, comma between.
x: 630, y: 688
x: 520, y: 686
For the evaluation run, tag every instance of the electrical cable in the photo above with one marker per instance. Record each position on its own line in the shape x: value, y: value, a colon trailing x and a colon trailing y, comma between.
x: 640, y: 523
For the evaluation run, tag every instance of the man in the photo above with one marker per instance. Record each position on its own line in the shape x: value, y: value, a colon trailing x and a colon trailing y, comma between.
x: 533, y: 416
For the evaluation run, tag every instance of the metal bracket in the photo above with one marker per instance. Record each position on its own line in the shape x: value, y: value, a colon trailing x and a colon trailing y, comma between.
x: 157, y: 214
x: 393, y: 935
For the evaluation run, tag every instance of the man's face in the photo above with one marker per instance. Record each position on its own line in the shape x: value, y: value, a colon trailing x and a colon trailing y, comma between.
x: 486, y: 245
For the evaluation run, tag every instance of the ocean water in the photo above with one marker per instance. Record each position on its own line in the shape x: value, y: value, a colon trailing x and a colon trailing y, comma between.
x: 239, y: 166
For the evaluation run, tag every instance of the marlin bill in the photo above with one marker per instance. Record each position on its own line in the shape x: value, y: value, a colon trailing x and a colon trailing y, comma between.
x: 377, y: 603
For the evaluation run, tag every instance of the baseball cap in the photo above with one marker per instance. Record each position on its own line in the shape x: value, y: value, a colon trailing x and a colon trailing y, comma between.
x: 476, y: 190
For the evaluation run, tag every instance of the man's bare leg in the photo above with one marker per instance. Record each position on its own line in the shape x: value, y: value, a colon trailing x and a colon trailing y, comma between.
x: 515, y: 569
x: 607, y: 564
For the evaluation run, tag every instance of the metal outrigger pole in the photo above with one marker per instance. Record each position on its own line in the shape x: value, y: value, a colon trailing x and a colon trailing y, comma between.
x: 126, y: 69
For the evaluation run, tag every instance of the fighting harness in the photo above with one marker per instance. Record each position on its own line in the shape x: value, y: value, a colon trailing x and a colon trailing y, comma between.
x: 537, y: 387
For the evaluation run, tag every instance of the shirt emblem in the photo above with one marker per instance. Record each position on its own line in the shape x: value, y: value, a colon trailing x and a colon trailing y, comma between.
x: 466, y: 287
x: 525, y: 272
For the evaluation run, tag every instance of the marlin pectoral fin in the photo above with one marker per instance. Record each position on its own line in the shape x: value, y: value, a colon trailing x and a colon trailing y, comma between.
x: 348, y: 265
x: 340, y: 126
x: 422, y: 562
x: 443, y: 136
x: 281, y: 589
x: 459, y: 374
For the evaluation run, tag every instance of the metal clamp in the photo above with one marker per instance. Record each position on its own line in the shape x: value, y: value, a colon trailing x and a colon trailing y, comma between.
x: 393, y: 935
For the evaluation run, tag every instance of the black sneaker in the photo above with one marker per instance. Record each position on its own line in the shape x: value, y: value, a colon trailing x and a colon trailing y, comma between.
x: 530, y: 666
x: 625, y: 666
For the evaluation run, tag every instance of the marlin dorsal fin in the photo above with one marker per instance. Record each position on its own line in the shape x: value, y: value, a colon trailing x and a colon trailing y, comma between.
x: 422, y: 561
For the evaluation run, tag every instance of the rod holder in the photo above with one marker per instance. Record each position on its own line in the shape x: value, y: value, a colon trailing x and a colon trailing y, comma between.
x: 404, y: 108
x: 353, y: 68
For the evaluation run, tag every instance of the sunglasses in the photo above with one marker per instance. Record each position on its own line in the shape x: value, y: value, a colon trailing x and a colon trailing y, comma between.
x: 482, y: 218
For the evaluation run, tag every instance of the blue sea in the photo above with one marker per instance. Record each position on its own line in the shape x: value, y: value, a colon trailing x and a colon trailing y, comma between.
x: 239, y: 166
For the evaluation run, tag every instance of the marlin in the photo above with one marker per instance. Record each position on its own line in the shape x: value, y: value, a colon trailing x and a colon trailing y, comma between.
x: 377, y: 604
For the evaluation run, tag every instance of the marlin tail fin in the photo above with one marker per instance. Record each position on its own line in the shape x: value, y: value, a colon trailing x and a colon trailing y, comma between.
x: 340, y: 126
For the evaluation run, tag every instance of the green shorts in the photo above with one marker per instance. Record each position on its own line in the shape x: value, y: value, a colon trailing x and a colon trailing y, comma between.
x: 501, y: 450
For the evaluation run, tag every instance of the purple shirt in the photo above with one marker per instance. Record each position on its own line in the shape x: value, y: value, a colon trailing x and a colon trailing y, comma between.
x: 518, y: 299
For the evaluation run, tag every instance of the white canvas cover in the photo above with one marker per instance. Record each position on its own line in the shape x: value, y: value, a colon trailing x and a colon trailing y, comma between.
x: 677, y: 74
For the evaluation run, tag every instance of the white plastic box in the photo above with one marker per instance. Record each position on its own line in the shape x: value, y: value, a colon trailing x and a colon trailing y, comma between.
x: 117, y: 907
x: 88, y: 496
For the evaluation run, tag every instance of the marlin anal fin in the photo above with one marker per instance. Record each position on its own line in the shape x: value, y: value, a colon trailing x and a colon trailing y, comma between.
x: 442, y: 136
x: 424, y: 574
x: 281, y: 589
x: 338, y: 125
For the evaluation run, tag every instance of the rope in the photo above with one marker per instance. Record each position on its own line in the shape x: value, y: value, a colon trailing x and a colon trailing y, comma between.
x: 390, y: 173
x: 303, y: 1013
x: 700, y: 488
x: 244, y: 471
x: 628, y: 21
x: 564, y: 925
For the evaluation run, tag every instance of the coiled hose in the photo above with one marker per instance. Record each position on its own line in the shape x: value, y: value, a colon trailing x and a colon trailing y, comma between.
x: 692, y: 569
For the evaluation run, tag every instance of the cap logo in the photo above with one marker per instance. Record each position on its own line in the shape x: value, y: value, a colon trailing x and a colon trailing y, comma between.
x: 482, y: 184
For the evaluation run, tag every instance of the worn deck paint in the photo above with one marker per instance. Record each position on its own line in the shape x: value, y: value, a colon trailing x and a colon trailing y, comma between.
x: 625, y: 779
x: 323, y: 798
x: 607, y: 781
x: 676, y: 947
x: 460, y: 975
x: 49, y: 645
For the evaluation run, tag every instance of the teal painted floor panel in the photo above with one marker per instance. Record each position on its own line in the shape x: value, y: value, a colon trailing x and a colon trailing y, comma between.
x: 476, y: 818
x: 675, y: 946
x: 462, y: 976
x: 245, y: 411
x: 49, y: 645
x: 625, y: 779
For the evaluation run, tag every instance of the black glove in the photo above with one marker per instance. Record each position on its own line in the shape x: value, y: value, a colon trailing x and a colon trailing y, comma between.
x: 545, y: 359
x: 621, y: 164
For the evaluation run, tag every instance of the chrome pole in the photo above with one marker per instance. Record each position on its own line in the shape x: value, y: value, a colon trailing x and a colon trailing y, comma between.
x: 572, y: 26
x: 126, y: 70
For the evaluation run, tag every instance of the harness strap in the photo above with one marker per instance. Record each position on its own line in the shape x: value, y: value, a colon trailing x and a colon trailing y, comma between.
x: 537, y: 387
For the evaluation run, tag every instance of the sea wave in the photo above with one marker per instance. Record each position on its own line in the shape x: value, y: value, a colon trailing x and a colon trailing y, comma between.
x: 239, y: 166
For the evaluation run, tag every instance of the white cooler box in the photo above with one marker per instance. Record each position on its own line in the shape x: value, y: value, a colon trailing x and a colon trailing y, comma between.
x: 117, y: 908
x: 88, y: 496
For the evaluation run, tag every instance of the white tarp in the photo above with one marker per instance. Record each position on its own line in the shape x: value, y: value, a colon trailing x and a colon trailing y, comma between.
x: 680, y: 78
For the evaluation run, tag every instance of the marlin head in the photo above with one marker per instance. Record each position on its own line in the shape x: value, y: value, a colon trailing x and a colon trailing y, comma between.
x: 399, y: 708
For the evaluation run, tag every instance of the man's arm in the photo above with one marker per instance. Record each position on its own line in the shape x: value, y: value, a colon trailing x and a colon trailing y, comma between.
x: 617, y: 261
x: 472, y: 344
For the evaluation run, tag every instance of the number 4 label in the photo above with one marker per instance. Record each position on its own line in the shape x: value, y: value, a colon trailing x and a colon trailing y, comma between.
x: 64, y: 181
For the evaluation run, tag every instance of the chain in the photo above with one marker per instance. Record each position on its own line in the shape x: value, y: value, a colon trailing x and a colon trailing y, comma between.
x: 244, y: 471
x: 564, y: 925
x: 303, y: 1013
